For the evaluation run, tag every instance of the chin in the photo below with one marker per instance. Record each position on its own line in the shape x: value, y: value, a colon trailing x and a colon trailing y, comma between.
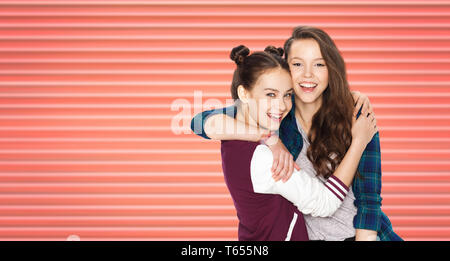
x: 308, y: 98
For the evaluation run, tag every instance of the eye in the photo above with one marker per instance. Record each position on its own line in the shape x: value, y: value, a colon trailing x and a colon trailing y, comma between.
x: 288, y: 95
x: 297, y: 64
x: 320, y: 65
x: 270, y: 94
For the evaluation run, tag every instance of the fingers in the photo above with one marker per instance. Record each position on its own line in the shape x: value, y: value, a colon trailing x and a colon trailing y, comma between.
x: 369, y: 107
x: 284, y: 173
x: 355, y: 95
x: 375, y: 126
x: 285, y: 168
x: 358, y: 105
x: 290, y: 170
x: 275, y: 162
x: 373, y: 122
x: 280, y: 166
x: 365, y: 107
x: 354, y: 118
x: 371, y: 117
x: 362, y: 102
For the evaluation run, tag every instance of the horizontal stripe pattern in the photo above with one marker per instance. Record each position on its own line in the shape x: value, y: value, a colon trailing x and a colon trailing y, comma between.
x: 90, y: 150
x: 336, y: 186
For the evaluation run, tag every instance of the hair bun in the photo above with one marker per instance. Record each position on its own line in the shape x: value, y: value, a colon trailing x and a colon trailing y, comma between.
x: 239, y: 53
x: 273, y: 50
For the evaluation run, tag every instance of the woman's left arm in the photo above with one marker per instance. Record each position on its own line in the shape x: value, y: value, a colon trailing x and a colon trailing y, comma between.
x: 367, y: 191
x: 367, y: 188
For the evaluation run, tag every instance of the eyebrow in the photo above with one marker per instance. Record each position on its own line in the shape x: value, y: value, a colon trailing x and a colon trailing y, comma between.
x: 295, y: 57
x: 291, y: 89
x: 275, y: 90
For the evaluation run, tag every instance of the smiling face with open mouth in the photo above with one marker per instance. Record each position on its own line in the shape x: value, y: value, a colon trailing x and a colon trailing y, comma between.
x: 308, y: 69
x: 270, y: 100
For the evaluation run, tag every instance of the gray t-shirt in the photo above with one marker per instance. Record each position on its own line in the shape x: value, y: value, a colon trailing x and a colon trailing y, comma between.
x: 337, y: 227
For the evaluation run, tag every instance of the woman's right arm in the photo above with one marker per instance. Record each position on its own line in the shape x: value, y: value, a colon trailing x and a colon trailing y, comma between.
x: 224, y: 127
x: 220, y: 124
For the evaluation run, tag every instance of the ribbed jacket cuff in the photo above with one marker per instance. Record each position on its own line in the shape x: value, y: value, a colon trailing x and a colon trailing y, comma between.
x: 336, y: 186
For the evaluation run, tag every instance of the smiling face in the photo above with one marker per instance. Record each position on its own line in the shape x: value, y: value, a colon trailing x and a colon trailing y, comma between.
x: 269, y: 101
x: 308, y: 69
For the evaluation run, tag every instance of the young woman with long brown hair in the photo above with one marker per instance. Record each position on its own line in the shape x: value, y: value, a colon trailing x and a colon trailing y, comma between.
x: 317, y: 134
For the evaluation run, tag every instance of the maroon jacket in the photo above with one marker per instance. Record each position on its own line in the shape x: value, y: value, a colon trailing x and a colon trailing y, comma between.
x: 268, y: 217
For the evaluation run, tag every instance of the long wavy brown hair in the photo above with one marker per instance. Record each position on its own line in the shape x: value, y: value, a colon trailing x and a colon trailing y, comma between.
x: 330, y: 134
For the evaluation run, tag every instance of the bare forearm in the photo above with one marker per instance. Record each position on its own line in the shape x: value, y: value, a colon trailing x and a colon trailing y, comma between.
x: 365, y: 235
x: 348, y: 166
x: 223, y: 127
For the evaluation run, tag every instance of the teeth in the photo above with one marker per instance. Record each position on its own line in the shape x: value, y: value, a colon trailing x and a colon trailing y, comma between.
x: 275, y: 116
x: 308, y: 85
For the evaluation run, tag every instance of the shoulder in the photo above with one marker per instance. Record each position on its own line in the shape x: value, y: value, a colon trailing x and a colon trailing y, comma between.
x: 258, y: 156
x: 234, y: 151
x: 262, y: 154
x: 239, y: 145
x: 260, y: 169
x: 236, y: 161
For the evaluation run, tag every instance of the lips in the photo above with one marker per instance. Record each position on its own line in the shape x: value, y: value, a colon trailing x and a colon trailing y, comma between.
x: 308, y: 86
x: 275, y: 117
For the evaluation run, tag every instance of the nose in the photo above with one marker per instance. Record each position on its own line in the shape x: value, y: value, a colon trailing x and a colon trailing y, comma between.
x: 280, y: 105
x: 307, y: 72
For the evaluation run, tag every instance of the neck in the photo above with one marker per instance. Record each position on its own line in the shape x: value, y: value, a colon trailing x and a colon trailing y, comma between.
x: 305, y: 112
x: 243, y: 115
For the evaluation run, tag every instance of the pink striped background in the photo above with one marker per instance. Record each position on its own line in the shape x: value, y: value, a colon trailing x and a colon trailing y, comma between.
x: 86, y: 88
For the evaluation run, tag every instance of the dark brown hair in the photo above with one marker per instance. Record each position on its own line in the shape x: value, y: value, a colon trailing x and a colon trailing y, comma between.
x: 330, y: 134
x: 250, y: 67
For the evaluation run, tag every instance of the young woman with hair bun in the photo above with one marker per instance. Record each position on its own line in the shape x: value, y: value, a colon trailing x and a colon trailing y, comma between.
x: 268, y: 209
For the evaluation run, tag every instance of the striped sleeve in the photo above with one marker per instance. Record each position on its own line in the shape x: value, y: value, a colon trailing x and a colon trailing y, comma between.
x: 336, y: 186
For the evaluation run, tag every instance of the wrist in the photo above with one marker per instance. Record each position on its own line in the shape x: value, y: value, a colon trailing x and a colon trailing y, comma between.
x: 358, y: 144
x: 270, y: 139
x: 356, y: 149
x: 365, y: 235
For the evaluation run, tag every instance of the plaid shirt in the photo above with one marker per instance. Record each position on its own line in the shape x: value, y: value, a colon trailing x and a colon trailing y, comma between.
x: 366, y: 189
